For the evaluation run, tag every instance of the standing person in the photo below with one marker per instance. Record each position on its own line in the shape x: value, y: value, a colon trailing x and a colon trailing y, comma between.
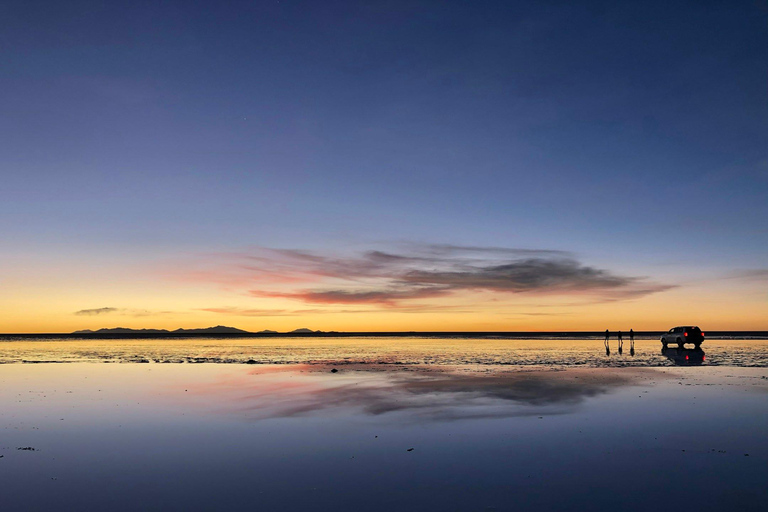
x: 607, y: 345
x: 621, y: 343
x: 631, y: 342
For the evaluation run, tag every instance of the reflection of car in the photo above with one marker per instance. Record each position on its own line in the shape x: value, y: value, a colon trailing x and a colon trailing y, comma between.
x: 684, y: 356
x: 683, y: 335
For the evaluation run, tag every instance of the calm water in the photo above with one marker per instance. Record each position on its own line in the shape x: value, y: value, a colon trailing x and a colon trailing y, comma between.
x: 294, y: 438
x: 408, y: 351
x: 403, y: 424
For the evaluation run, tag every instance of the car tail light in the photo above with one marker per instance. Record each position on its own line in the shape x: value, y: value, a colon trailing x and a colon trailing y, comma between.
x: 702, y: 335
x: 686, y: 334
x: 703, y: 358
x: 686, y: 358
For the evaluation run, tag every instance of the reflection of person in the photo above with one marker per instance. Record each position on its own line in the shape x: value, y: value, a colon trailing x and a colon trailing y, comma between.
x: 621, y: 343
x: 631, y: 342
x: 607, y: 345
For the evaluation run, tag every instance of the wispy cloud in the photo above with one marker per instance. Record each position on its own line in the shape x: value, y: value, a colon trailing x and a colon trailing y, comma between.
x: 388, y: 297
x: 753, y: 273
x: 249, y: 311
x: 390, y: 279
x: 394, y: 279
x: 96, y: 311
x: 403, y: 308
x: 120, y: 311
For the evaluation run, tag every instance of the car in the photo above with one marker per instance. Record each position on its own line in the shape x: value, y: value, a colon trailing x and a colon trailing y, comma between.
x: 682, y: 335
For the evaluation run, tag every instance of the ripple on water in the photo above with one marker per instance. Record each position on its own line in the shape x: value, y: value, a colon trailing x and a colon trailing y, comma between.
x: 374, y: 350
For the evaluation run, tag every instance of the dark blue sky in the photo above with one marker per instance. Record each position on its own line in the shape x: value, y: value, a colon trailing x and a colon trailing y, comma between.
x: 613, y: 129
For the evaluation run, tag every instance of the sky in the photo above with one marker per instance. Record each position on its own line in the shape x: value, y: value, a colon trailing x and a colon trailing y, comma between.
x: 385, y: 165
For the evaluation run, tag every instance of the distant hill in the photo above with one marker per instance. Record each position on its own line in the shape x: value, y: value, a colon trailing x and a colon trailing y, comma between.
x: 303, y: 330
x: 267, y: 331
x: 123, y: 330
x: 219, y: 329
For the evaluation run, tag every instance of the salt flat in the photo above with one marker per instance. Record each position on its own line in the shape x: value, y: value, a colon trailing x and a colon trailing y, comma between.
x: 382, y: 437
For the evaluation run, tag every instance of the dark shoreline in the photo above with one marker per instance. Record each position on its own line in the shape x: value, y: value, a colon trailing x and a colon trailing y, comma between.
x: 382, y: 334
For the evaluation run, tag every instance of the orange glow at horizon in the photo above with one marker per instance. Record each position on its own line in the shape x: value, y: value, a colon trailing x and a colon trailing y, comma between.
x: 458, y: 313
x: 79, y: 296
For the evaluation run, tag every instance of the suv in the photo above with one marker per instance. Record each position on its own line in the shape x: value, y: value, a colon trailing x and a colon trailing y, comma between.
x: 683, y: 335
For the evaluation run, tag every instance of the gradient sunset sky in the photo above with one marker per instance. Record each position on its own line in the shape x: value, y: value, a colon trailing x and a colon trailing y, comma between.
x: 383, y: 165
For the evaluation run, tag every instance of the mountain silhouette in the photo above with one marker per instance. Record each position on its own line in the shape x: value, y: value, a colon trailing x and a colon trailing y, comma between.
x: 219, y: 329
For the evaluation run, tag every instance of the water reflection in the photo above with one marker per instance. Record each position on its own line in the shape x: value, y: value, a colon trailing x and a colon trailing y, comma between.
x: 417, y: 397
x: 685, y: 356
x: 126, y: 437
x: 374, y: 351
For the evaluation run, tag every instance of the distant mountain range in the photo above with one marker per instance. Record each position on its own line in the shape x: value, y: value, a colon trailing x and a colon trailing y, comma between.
x: 219, y: 329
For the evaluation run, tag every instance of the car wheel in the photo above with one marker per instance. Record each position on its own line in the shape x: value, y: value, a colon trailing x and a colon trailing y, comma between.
x: 679, y: 342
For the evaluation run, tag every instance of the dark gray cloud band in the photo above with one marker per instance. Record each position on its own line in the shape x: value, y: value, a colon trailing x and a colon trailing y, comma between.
x: 389, y: 279
x: 96, y: 311
x: 119, y: 311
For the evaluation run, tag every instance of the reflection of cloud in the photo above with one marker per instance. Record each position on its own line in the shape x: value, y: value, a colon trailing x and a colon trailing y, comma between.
x: 445, y: 396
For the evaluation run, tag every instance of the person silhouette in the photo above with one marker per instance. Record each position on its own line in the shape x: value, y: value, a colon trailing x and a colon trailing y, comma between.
x: 606, y: 343
x: 621, y: 343
x: 631, y: 342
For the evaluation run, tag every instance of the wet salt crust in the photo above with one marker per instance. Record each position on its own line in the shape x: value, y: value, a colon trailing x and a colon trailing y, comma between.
x: 372, y: 350
x: 86, y: 436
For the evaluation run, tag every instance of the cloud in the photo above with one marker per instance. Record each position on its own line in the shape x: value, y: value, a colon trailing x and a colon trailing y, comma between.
x: 531, y: 274
x: 121, y: 311
x: 449, y: 249
x: 97, y: 311
x: 248, y: 311
x: 390, y: 279
x: 541, y: 314
x: 395, y: 278
x: 754, y: 273
x: 410, y: 308
x: 382, y: 297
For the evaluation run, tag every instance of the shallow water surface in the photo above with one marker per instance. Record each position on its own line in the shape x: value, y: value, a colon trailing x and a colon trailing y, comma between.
x: 375, y: 350
x: 381, y: 438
